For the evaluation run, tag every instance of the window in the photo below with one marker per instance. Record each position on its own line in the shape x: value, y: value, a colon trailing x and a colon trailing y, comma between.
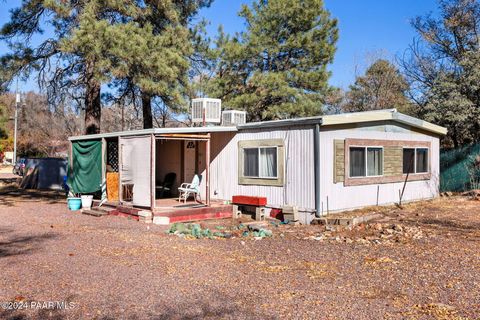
x: 260, y: 162
x: 415, y: 160
x: 408, y: 160
x: 366, y: 161
x: 422, y: 161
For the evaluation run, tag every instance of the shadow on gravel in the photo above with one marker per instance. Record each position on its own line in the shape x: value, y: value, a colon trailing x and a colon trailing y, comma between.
x: 42, y: 314
x: 219, y: 308
x: 450, y: 226
x: 19, y: 245
x: 10, y: 198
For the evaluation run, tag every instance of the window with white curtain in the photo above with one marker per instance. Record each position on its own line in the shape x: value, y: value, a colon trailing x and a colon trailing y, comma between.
x: 366, y: 161
x: 260, y: 162
x: 415, y: 160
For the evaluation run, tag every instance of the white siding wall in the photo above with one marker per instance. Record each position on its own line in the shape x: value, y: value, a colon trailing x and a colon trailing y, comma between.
x: 341, y: 197
x: 299, y: 170
x: 299, y: 187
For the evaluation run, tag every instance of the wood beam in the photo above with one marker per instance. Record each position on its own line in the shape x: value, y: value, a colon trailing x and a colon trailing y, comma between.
x: 207, y: 170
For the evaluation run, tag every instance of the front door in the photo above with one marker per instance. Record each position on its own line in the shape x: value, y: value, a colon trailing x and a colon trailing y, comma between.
x: 189, y: 160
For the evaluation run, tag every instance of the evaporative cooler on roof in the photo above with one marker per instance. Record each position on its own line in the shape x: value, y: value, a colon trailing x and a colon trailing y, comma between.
x: 206, y: 110
x: 233, y: 117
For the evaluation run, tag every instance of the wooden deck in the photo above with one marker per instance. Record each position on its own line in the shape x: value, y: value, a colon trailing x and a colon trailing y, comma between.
x: 170, y: 210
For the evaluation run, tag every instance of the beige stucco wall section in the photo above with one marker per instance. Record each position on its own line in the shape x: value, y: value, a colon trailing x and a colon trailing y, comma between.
x: 299, y: 170
x: 342, y: 197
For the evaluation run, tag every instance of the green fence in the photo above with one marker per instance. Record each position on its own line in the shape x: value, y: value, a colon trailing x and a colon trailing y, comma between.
x: 460, y: 168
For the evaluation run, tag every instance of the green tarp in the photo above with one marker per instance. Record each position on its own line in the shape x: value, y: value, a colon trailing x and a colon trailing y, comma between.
x: 86, y: 174
x: 459, y: 168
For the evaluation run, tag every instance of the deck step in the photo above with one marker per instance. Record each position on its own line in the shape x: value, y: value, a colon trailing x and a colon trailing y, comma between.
x: 95, y: 213
x: 192, y: 214
x: 128, y: 210
x: 106, y: 209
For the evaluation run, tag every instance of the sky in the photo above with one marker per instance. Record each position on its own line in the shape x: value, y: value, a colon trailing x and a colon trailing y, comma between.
x: 367, y: 28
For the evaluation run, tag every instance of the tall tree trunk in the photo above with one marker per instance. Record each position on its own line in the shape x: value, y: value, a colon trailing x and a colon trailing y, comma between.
x: 93, y: 106
x: 147, y: 110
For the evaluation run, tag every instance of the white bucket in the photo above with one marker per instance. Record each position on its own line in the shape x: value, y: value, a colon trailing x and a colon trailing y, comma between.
x: 87, y: 201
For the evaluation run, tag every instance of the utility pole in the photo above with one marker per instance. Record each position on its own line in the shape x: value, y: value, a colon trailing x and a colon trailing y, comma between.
x: 17, y: 101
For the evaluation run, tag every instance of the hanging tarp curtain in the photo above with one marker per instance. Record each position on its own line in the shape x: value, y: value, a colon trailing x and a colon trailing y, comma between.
x: 86, y: 173
x: 135, y: 168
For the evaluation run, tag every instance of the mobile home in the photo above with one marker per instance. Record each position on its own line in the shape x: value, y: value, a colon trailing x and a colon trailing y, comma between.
x: 320, y: 165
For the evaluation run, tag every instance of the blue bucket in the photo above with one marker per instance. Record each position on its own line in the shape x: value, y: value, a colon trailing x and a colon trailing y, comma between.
x: 74, y: 203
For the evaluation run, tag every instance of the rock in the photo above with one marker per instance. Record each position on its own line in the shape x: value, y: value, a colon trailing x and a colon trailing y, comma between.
x: 389, y: 231
x: 397, y: 227
x: 377, y: 226
x: 330, y: 228
x: 348, y: 240
x: 363, y: 241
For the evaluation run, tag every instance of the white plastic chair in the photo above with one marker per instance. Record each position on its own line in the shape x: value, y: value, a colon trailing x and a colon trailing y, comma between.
x: 187, y: 189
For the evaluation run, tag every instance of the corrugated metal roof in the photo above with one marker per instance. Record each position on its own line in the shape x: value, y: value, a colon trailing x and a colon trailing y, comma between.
x: 154, y: 131
x: 382, y: 115
x: 352, y: 117
x: 326, y: 120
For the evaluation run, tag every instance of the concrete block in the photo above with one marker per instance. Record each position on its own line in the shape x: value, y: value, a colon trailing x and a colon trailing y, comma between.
x: 164, y: 221
x: 145, y: 213
x: 236, y: 212
x: 260, y: 213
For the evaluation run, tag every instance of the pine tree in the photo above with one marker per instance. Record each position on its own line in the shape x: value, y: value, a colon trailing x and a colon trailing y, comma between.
x: 277, y: 68
x: 53, y: 63
x: 154, y: 60
x: 98, y: 41
x: 442, y: 69
x: 382, y: 87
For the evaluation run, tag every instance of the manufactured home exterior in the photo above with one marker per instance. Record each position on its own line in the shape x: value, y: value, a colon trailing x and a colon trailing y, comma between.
x: 321, y: 165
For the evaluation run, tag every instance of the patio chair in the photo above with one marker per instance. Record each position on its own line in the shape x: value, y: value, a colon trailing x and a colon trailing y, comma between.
x: 187, y: 189
x: 165, y: 187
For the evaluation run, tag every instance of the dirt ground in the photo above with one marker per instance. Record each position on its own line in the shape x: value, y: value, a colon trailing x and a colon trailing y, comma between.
x: 421, y: 262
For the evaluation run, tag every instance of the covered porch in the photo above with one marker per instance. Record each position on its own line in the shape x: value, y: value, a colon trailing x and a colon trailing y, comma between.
x: 153, y: 168
x: 143, y: 172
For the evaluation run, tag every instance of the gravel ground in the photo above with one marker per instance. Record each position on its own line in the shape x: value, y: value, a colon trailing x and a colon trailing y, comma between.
x: 115, y: 268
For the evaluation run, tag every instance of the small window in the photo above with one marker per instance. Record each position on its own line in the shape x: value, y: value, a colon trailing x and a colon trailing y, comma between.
x: 357, y: 162
x: 408, y: 160
x: 415, y: 160
x: 260, y: 162
x: 422, y: 160
x: 366, y: 161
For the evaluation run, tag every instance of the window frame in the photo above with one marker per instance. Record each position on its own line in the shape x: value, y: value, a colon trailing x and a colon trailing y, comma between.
x: 366, y: 161
x: 415, y: 160
x: 277, y: 181
x: 392, y: 171
x: 259, y: 176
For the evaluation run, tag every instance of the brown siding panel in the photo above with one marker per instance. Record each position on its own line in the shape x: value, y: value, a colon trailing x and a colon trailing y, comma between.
x: 393, y: 158
x: 339, y: 174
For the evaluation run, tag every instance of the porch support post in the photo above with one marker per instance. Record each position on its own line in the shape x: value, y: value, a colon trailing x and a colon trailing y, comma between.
x: 152, y: 173
x: 104, y: 160
x: 207, y: 170
x: 120, y: 164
